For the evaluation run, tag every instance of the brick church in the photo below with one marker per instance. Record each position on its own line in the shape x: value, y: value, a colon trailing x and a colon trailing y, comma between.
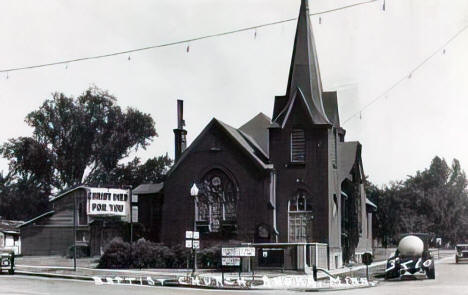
x: 286, y: 179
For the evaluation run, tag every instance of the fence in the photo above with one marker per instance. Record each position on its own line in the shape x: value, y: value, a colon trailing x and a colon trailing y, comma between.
x: 318, y: 255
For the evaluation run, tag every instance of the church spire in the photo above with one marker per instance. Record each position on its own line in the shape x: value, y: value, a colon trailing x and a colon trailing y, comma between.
x: 304, y: 73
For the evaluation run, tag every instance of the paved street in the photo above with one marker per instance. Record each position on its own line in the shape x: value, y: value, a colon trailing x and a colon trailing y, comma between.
x: 450, y: 279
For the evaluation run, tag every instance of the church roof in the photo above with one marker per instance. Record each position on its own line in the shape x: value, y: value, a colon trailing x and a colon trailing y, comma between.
x: 246, y: 141
x: 304, y: 73
x: 257, y: 130
x: 348, y: 156
x: 330, y: 103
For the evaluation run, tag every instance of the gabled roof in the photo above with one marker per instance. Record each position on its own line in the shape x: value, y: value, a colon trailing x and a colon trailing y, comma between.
x: 257, y: 130
x: 37, y: 218
x: 348, y: 156
x: 330, y: 103
x: 304, y: 73
x: 148, y: 188
x: 243, y: 140
x: 286, y: 112
x: 66, y: 192
x: 246, y: 143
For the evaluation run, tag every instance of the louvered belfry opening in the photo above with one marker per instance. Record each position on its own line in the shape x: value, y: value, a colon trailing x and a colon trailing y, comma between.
x: 297, y: 146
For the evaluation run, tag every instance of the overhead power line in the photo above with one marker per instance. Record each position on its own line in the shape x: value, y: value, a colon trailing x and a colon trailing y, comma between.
x: 407, y: 76
x: 177, y: 42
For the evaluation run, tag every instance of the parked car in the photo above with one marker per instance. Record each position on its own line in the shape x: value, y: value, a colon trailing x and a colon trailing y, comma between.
x: 412, y: 258
x: 7, y: 262
x: 462, y: 253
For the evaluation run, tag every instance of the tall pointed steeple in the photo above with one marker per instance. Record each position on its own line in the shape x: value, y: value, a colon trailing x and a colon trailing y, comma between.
x: 304, y: 73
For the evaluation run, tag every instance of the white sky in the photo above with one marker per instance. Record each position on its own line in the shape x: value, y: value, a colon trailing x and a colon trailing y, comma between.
x: 362, y: 51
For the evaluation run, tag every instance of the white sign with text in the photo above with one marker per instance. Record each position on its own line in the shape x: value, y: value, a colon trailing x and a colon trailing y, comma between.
x: 107, y: 202
x: 238, y: 251
x: 230, y: 261
x: 188, y: 243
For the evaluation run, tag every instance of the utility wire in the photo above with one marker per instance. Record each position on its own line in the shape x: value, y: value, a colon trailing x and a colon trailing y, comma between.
x: 407, y: 76
x: 178, y: 42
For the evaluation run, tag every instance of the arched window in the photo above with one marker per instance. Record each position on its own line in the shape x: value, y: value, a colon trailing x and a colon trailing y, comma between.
x: 300, y: 218
x: 217, y: 201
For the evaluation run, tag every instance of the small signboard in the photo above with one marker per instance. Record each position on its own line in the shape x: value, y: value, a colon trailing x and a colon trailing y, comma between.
x: 238, y: 252
x: 271, y: 257
x: 196, y: 244
x: 230, y: 261
x: 188, y: 243
x: 188, y: 234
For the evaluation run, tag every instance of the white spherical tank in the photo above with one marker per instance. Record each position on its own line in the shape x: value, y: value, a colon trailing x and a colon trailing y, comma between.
x: 411, y: 246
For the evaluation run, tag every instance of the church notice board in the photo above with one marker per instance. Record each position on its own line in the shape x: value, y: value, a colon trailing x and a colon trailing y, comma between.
x: 232, y: 256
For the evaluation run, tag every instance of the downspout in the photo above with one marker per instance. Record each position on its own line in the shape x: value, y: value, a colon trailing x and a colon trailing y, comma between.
x: 273, y: 202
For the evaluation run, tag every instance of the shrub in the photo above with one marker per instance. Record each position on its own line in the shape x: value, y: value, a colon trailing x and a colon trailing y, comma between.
x: 146, y: 254
x: 209, y: 257
x: 181, y: 256
x: 116, y: 255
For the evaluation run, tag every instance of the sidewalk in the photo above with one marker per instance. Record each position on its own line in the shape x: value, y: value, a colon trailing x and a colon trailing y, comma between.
x: 60, y: 267
x: 87, y: 273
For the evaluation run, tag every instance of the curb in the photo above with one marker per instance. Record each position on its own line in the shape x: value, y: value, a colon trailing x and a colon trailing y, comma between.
x: 356, y: 268
x: 172, y: 285
x: 56, y: 276
x: 90, y: 278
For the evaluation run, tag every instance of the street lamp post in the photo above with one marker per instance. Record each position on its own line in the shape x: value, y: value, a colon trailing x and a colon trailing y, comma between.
x: 74, y: 231
x: 194, y: 193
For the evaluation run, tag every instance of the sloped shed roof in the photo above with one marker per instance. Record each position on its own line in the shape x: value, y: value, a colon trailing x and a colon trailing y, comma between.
x: 148, y: 188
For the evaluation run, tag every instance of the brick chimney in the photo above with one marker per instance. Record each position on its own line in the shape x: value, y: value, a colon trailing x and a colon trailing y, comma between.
x: 180, y: 133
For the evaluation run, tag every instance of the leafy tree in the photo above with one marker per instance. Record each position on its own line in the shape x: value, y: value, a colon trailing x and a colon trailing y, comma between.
x: 434, y: 200
x: 29, y: 160
x: 72, y: 134
x: 22, y: 199
x: 134, y: 173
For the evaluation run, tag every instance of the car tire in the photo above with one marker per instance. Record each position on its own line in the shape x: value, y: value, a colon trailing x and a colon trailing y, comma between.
x: 431, y: 273
x: 456, y: 259
x: 391, y: 275
x: 11, y: 272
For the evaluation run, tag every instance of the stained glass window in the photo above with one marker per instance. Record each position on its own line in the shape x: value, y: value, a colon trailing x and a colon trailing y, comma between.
x: 217, y: 200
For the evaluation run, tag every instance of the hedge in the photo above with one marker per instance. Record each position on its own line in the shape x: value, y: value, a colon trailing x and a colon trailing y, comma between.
x: 146, y: 254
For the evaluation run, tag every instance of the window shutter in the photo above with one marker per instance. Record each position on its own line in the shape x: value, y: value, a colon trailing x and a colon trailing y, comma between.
x: 297, y: 145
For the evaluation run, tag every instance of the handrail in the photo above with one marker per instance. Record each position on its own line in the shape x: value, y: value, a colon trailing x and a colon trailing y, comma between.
x: 317, y: 269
